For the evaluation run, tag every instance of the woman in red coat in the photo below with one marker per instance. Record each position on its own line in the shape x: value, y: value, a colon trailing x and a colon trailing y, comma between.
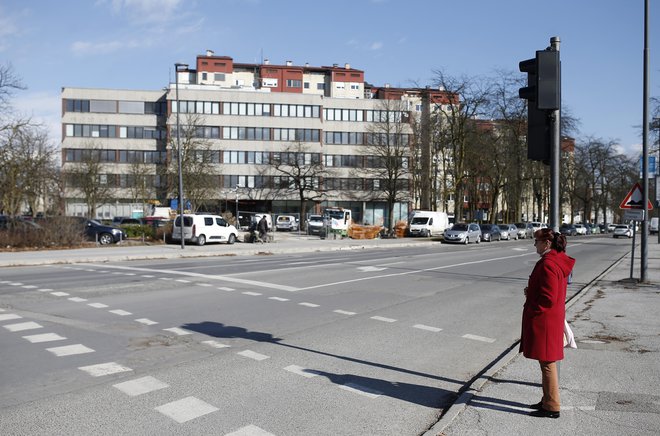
x: 543, y: 317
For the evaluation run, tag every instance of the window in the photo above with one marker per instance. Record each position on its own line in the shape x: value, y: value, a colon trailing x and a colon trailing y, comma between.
x: 294, y: 83
x: 306, y: 85
x: 103, y: 106
x: 320, y: 86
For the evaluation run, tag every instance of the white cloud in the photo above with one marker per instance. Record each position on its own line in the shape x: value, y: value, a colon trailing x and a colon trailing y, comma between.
x: 43, y: 108
x: 147, y: 11
x: 376, y: 45
x: 8, y: 28
x: 85, y: 48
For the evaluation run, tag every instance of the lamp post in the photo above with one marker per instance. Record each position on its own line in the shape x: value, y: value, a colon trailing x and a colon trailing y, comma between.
x: 238, y: 224
x: 178, y: 146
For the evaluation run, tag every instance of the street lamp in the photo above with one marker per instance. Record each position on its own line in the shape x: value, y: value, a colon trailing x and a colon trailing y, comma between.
x: 237, y: 222
x: 178, y: 146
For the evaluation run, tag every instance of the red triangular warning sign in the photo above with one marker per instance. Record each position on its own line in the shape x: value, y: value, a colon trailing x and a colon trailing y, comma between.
x: 635, y: 199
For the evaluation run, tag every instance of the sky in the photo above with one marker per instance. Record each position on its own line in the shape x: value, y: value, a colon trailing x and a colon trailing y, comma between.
x: 133, y: 44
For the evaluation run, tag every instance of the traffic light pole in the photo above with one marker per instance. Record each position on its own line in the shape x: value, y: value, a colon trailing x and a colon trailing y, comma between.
x: 555, y: 154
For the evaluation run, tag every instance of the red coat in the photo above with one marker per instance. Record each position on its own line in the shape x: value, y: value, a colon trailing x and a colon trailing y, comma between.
x: 542, y: 335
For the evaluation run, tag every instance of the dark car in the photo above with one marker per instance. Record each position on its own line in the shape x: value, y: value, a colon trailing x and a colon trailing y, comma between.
x: 490, y: 232
x: 568, y: 229
x: 103, y: 234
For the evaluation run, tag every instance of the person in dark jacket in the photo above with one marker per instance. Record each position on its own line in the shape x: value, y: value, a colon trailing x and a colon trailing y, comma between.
x: 542, y: 336
x: 262, y: 227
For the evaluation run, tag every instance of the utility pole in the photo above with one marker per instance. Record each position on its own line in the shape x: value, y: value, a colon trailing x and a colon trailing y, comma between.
x: 645, y: 149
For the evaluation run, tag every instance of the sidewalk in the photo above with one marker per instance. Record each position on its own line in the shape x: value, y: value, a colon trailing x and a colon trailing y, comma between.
x: 608, y: 386
x: 284, y: 243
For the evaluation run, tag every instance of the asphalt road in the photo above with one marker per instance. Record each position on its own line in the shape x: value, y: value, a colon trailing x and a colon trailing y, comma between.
x: 353, y: 343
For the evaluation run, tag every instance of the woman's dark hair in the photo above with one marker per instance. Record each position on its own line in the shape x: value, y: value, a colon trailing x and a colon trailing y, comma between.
x: 557, y: 240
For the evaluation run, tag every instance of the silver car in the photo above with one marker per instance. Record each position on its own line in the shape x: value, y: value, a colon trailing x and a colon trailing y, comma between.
x: 509, y: 231
x: 622, y: 230
x: 463, y: 233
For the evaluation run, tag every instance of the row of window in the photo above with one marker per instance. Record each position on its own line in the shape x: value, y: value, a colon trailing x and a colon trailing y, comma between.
x: 228, y: 157
x: 108, y: 131
x: 231, y: 181
x: 359, y: 138
x: 116, y: 106
x: 118, y: 156
x: 249, y: 109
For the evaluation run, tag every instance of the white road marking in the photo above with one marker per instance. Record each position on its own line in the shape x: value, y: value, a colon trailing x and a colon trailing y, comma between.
x: 308, y: 304
x: 98, y: 305
x: 215, y: 344
x: 141, y: 386
x: 427, y: 327
x: 404, y: 273
x: 223, y: 288
x: 120, y: 312
x: 186, y: 409
x: 148, y: 276
x: 23, y: 326
x: 60, y: 294
x: 592, y: 341
x: 178, y: 331
x: 28, y: 286
x: 250, y: 430
x: 253, y: 355
x: 8, y: 316
x: 382, y: 318
x: 15, y: 284
x: 362, y: 390
x: 370, y: 268
x: 146, y: 321
x: 204, y: 284
x: 278, y: 298
x: 45, y: 290
x: 344, y: 312
x: 102, y: 369
x: 301, y: 371
x: 211, y: 277
x: 182, y: 281
x: 255, y: 294
x: 479, y: 338
x: 70, y: 350
x: 44, y: 337
x: 165, y: 278
x: 77, y: 299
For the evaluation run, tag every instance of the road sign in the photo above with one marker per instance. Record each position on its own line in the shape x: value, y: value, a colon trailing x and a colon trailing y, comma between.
x: 634, y: 214
x: 635, y: 199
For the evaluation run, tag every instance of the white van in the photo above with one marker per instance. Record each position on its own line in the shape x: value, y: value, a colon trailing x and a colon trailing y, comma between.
x: 427, y: 223
x: 202, y: 228
x: 653, y: 225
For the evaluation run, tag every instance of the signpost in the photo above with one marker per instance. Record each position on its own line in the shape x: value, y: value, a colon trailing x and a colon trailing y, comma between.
x: 633, y: 206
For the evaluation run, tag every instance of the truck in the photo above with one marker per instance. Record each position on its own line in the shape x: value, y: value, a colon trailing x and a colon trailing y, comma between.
x: 337, y: 221
x: 427, y: 223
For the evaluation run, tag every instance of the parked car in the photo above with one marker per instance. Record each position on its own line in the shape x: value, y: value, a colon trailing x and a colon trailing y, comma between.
x: 509, y: 231
x: 101, y: 233
x: 122, y: 221
x: 536, y: 225
x: 18, y: 222
x: 200, y: 229
x: 286, y: 222
x: 463, y: 233
x: 653, y: 225
x: 490, y: 232
x: 568, y: 229
x: 611, y: 227
x: 525, y: 230
x: 314, y: 225
x: 622, y: 230
x: 581, y: 229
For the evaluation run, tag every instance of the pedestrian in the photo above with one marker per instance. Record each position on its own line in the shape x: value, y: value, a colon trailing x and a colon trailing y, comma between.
x: 542, y: 336
x: 262, y: 227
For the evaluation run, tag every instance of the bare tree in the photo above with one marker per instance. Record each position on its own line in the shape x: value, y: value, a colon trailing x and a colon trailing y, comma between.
x: 9, y: 83
x: 389, y: 149
x: 198, y: 162
x: 89, y: 180
x: 26, y: 160
x: 456, y: 123
x: 140, y: 181
x: 300, y: 172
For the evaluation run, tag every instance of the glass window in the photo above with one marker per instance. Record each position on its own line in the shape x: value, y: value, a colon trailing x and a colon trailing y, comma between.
x: 131, y: 107
x: 103, y: 106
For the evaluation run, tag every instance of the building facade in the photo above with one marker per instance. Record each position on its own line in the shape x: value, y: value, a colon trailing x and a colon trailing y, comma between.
x: 250, y: 131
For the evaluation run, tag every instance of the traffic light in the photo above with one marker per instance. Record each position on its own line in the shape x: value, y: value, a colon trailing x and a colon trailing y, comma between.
x: 543, y: 95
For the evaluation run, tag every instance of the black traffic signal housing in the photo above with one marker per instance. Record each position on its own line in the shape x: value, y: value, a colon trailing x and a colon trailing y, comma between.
x: 543, y: 95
